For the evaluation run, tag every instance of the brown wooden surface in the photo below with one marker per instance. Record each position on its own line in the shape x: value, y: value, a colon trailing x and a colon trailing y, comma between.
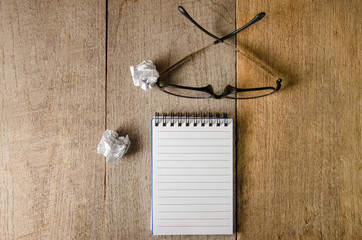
x: 299, y: 151
x: 157, y: 31
x: 52, y: 61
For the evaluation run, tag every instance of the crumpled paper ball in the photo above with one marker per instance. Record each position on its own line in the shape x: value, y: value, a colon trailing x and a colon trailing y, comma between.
x: 112, y: 146
x: 144, y: 75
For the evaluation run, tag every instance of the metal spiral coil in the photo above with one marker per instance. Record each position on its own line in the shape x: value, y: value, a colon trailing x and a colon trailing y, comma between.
x: 188, y: 119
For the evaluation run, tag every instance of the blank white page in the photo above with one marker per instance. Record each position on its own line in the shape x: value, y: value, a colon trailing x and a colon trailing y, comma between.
x: 192, y: 178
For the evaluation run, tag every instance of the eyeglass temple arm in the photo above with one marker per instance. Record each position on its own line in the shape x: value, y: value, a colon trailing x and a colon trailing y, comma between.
x: 187, y: 15
x: 257, y: 18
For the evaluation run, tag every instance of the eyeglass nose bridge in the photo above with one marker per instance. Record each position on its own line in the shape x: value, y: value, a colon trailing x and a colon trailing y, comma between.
x: 210, y: 90
x: 227, y: 90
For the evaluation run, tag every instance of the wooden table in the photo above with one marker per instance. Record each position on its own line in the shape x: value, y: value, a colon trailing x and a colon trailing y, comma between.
x: 64, y: 72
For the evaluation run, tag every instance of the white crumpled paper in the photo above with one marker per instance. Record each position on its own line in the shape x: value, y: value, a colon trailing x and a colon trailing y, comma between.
x: 144, y: 75
x: 112, y: 146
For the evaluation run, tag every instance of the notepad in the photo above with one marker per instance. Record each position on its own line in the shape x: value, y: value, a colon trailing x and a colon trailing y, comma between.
x: 192, y: 176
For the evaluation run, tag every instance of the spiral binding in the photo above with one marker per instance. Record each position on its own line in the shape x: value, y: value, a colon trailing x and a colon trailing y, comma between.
x: 195, y: 119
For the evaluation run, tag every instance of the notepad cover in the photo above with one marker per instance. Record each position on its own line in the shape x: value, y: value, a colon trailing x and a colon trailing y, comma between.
x: 192, y: 179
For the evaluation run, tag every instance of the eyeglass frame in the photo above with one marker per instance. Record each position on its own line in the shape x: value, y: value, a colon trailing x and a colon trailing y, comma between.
x: 228, y: 90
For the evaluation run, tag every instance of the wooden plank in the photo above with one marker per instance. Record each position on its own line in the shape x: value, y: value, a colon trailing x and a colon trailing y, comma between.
x: 52, y: 73
x: 155, y: 30
x: 299, y: 169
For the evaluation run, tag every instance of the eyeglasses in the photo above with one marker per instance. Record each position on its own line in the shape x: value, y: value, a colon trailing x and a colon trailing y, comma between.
x: 208, y: 91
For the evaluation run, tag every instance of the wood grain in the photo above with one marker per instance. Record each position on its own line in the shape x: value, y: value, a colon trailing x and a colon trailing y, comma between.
x: 299, y: 151
x: 155, y: 30
x: 52, y: 75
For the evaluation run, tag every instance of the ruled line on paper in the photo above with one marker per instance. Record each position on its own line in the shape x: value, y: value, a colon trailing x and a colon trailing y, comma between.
x: 193, y: 167
x: 195, y: 211
x: 182, y: 131
x: 195, y: 226
x: 193, y: 182
x: 193, y: 146
x: 169, y: 138
x: 186, y: 175
x: 193, y: 196
x: 194, y: 160
x: 173, y: 153
x: 188, y: 189
x: 193, y: 218
x: 196, y: 204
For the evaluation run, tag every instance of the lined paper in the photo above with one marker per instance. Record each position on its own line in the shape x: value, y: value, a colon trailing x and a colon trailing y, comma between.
x: 192, y: 179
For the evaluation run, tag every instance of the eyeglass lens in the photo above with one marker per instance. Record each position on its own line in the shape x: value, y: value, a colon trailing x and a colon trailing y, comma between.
x: 252, y: 94
x: 186, y: 92
x: 192, y: 93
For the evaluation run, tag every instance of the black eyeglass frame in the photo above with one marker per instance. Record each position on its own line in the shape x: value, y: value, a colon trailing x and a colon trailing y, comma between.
x: 229, y: 90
